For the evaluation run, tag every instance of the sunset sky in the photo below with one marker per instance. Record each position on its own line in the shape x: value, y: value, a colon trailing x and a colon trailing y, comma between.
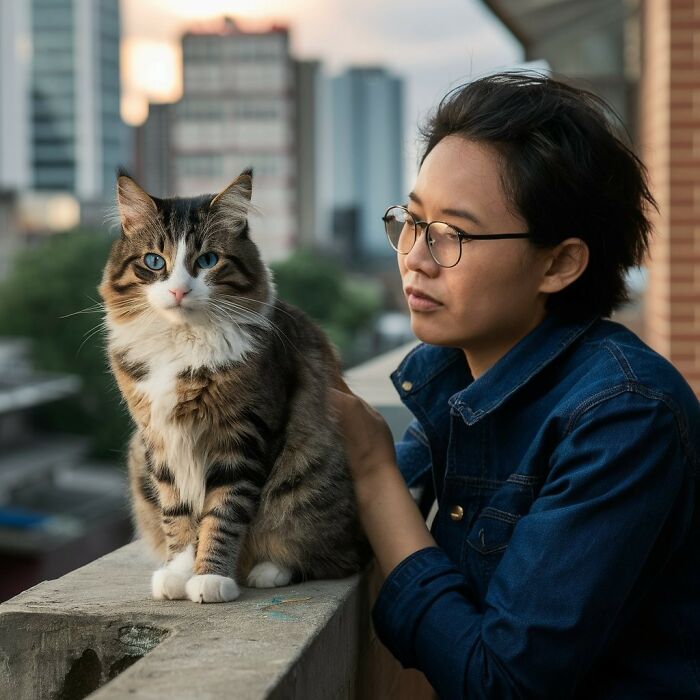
x: 432, y: 44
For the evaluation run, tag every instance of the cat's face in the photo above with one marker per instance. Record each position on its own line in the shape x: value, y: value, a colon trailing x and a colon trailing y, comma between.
x: 185, y: 261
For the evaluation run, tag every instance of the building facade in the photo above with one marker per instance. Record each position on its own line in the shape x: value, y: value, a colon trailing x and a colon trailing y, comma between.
x: 151, y: 158
x: 670, y: 128
x: 311, y: 166
x: 238, y: 110
x: 367, y: 136
x: 15, y: 55
x: 77, y: 136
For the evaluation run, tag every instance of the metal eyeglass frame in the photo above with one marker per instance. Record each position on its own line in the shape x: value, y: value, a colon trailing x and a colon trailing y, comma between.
x: 462, y: 235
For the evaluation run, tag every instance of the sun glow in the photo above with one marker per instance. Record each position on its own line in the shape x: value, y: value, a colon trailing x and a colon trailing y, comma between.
x: 153, y: 74
x: 245, y: 9
x: 151, y: 68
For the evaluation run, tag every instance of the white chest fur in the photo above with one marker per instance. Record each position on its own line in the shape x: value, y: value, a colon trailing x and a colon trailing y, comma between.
x: 168, y: 351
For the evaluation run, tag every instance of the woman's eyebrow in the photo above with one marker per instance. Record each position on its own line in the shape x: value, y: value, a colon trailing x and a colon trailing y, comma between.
x: 460, y: 213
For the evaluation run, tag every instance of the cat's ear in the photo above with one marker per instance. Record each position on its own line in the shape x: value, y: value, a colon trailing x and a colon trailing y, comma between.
x: 135, y: 205
x: 236, y: 196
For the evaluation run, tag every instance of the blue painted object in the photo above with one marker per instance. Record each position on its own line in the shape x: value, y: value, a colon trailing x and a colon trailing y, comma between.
x: 22, y: 518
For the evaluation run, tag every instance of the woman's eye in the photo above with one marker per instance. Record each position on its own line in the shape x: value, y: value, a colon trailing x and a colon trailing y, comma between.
x: 154, y: 261
x: 207, y: 260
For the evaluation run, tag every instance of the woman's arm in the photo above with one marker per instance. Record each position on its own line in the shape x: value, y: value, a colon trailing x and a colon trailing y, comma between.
x: 389, y: 515
x: 616, y: 504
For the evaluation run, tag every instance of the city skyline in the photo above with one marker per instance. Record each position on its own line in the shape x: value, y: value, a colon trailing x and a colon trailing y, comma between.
x: 431, y: 49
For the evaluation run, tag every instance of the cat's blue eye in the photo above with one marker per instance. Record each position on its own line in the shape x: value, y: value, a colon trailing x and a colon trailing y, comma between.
x: 155, y: 262
x: 207, y: 260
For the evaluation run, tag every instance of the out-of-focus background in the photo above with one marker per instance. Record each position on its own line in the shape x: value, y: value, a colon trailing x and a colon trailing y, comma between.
x: 323, y: 100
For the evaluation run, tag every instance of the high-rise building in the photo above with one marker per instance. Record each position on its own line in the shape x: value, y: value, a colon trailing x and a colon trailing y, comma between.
x: 152, y: 167
x: 237, y: 110
x: 77, y: 136
x: 15, y: 48
x: 368, y: 167
x: 310, y: 163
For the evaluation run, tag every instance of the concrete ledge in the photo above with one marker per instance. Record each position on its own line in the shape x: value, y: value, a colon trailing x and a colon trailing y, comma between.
x: 97, y: 632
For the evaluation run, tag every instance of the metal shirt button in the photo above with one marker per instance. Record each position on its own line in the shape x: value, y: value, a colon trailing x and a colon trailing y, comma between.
x: 406, y: 386
x: 457, y: 513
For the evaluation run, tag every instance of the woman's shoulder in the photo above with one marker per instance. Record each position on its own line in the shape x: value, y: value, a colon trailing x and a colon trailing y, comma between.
x: 625, y: 358
x: 611, y: 359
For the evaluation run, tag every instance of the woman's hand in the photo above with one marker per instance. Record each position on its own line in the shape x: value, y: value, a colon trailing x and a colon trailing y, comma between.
x: 389, y: 516
x: 368, y: 441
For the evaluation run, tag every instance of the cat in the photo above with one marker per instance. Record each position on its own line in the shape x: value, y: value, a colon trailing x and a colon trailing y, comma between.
x: 236, y: 465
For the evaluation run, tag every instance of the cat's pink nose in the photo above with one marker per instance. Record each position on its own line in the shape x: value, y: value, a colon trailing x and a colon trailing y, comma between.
x: 178, y: 293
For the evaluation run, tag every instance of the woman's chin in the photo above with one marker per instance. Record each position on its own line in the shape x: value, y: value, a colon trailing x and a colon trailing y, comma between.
x: 430, y: 333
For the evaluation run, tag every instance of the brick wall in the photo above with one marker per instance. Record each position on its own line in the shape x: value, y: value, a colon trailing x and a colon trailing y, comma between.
x: 670, y: 147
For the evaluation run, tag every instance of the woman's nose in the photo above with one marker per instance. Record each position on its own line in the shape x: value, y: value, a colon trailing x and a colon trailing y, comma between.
x: 419, y: 257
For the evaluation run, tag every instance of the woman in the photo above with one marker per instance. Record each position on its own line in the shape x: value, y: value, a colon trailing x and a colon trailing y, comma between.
x: 564, y: 559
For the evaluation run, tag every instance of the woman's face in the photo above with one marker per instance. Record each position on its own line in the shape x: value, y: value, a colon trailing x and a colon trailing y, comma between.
x: 490, y: 299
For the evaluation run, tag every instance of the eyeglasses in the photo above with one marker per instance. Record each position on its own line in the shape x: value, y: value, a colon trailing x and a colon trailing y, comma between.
x: 444, y: 241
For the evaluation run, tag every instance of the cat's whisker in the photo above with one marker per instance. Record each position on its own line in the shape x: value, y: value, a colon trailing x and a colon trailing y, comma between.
x: 92, y: 333
x: 101, y: 324
x: 133, y: 306
x: 242, y: 309
x: 227, y: 311
x: 88, y: 310
x: 260, y: 321
x: 230, y: 318
x: 274, y: 306
x: 265, y: 321
x: 100, y: 307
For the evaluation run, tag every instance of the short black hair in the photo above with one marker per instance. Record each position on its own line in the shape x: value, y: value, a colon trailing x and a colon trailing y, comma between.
x: 566, y: 172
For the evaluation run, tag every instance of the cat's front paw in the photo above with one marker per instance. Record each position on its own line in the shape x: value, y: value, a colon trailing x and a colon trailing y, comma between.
x: 167, y: 584
x: 267, y: 574
x: 212, y: 588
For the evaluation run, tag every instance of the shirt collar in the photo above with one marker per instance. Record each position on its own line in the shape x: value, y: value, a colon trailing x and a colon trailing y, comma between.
x: 473, y: 399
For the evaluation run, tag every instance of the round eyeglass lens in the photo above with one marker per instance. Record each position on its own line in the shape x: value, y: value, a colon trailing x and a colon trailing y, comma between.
x: 400, y: 229
x: 445, y: 244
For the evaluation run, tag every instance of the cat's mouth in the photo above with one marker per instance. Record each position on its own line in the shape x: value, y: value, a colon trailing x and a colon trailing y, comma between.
x: 179, y: 313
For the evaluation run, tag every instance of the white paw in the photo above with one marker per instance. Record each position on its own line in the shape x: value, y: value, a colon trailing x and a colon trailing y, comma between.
x: 211, y: 588
x: 268, y: 575
x: 167, y: 584
x: 183, y: 562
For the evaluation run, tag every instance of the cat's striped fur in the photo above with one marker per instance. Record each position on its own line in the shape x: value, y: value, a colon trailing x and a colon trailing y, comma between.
x: 236, y: 467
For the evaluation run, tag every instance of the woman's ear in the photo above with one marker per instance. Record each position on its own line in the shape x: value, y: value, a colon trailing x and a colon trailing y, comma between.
x: 565, y: 263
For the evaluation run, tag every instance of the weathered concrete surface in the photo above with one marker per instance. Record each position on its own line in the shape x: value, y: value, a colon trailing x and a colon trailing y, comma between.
x: 68, y: 637
x: 96, y: 632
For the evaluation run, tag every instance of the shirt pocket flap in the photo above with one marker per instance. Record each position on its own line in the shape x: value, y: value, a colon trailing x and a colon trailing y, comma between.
x: 492, y: 530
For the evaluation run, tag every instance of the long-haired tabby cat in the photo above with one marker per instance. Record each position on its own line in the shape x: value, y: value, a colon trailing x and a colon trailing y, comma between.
x: 236, y: 467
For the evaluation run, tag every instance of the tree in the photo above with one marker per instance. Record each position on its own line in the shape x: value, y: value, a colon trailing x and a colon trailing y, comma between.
x: 51, y: 297
x: 345, y: 307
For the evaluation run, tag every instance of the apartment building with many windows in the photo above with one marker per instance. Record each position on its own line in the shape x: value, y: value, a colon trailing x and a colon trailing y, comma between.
x: 237, y: 110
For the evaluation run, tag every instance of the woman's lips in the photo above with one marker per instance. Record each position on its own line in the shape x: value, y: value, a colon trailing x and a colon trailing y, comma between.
x: 418, y: 302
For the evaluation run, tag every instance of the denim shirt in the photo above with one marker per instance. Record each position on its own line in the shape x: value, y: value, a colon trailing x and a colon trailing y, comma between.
x: 568, y: 523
